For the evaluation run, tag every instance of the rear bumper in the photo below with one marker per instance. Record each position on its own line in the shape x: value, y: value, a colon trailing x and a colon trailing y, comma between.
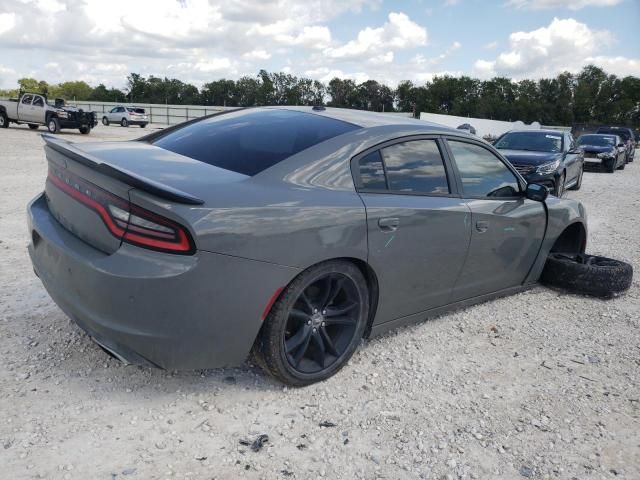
x: 138, y: 122
x: 171, y: 311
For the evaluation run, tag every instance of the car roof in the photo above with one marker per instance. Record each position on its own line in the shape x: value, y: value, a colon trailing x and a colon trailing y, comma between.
x: 366, y: 119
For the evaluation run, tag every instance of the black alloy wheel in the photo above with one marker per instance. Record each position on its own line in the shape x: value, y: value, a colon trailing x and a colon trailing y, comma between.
x: 315, y: 325
x: 322, y: 323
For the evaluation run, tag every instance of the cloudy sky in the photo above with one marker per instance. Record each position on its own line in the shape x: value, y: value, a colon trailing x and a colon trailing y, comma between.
x: 199, y: 40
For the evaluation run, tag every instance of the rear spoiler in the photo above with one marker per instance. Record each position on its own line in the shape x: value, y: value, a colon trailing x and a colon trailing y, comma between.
x: 150, y: 186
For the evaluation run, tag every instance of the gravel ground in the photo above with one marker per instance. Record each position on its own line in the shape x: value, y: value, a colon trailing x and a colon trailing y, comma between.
x: 538, y: 385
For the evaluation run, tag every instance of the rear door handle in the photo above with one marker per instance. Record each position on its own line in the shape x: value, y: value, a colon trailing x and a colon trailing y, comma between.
x: 388, y: 224
x: 482, y: 226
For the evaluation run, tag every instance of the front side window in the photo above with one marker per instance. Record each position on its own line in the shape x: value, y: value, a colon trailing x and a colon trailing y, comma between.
x: 114, y: 110
x: 482, y: 173
x: 26, y: 100
x: 415, y: 166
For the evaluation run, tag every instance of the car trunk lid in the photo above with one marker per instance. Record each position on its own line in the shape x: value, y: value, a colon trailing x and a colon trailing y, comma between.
x: 88, y: 191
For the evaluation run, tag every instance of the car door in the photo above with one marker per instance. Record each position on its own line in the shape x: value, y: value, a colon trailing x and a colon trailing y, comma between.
x: 418, y: 227
x: 24, y: 110
x: 38, y: 111
x: 507, y: 228
x: 114, y: 115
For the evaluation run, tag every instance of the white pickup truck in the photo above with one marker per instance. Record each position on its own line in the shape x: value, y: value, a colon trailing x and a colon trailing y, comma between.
x: 34, y: 110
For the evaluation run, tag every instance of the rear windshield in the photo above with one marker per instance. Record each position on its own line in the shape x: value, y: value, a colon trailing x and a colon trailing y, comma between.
x: 597, y: 140
x: 621, y: 132
x: 250, y: 141
x: 136, y: 110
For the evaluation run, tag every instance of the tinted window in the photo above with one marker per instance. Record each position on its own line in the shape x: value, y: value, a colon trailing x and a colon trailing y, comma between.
x: 372, y: 172
x: 597, y: 140
x: 482, y: 173
x: 26, y: 100
x: 621, y: 132
x: 415, y: 166
x: 250, y: 141
x: 38, y: 102
x: 534, y: 141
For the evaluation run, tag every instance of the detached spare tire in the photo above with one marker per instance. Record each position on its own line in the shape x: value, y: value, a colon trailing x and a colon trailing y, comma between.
x: 587, y: 274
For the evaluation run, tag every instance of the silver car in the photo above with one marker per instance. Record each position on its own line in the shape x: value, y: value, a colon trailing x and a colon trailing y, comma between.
x: 290, y: 232
x: 125, y: 116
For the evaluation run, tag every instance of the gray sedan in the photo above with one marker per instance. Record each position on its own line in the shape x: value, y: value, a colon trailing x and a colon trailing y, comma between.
x: 287, y: 232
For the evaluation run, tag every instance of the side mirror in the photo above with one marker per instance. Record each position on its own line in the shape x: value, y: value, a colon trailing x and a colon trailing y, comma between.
x: 537, y: 192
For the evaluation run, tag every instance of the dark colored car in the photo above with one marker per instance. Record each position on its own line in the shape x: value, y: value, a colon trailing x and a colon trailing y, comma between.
x: 292, y: 232
x: 547, y: 157
x: 606, y: 151
x: 627, y: 136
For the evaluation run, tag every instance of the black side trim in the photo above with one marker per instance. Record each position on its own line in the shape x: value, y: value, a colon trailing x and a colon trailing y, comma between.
x: 130, y: 178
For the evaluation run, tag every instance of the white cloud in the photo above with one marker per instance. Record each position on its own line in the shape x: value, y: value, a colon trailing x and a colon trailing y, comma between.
x: 570, y: 4
x: 7, y: 22
x: 399, y: 32
x: 325, y: 75
x: 258, y: 54
x: 621, y: 66
x: 490, y: 45
x: 563, y: 45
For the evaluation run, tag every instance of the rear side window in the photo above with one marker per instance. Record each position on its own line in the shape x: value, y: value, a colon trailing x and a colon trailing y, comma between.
x: 482, y: 173
x: 250, y: 141
x: 372, y: 172
x: 415, y: 166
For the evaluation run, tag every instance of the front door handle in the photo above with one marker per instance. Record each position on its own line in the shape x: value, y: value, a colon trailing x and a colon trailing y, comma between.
x: 482, y: 226
x: 388, y: 224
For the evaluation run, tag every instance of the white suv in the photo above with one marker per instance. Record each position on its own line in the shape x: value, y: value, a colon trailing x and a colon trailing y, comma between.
x: 126, y: 116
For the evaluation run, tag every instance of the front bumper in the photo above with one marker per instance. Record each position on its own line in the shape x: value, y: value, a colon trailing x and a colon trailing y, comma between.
x: 146, y: 307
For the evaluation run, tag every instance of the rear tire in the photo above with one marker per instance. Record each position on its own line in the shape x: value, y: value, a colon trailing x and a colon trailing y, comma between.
x: 105, y: 121
x: 84, y: 130
x: 124, y: 122
x: 4, y: 120
x: 53, y: 125
x: 587, y: 274
x: 33, y: 126
x: 315, y: 325
x: 143, y: 125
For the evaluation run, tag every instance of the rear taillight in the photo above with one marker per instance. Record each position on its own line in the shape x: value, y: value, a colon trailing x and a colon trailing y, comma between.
x: 124, y: 220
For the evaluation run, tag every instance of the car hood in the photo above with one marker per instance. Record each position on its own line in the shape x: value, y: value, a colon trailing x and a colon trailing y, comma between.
x: 526, y: 157
x: 595, y: 149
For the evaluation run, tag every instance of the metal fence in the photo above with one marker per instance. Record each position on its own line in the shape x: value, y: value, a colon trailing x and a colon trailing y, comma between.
x: 158, y: 113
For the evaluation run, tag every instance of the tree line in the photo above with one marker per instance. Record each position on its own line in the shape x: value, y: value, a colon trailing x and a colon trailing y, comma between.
x: 591, y: 96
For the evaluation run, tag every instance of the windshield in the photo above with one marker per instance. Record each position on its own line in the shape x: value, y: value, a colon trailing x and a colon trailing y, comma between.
x: 597, y: 140
x: 614, y: 131
x: 533, y: 141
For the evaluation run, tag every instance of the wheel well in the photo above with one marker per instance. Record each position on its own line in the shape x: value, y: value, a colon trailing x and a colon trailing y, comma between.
x: 372, y: 284
x: 572, y: 240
